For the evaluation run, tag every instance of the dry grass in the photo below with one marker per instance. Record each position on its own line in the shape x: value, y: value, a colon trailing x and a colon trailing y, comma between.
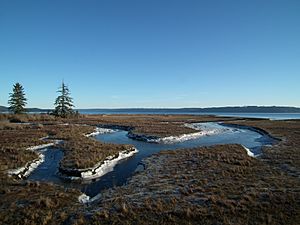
x: 210, y: 185
x: 150, y: 125
x: 35, y: 203
x: 82, y: 152
x: 15, y: 139
x: 285, y: 155
x: 25, y: 118
x: 215, y: 185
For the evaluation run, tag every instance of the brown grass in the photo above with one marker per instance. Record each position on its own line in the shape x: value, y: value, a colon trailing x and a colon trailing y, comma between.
x: 209, y: 185
x: 15, y: 139
x: 215, y: 185
x: 84, y: 152
x: 35, y: 203
x: 151, y: 125
x: 285, y: 155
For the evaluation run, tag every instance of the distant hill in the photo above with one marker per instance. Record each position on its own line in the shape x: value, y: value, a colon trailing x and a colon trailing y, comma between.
x: 3, y: 108
x: 248, y: 109
x: 32, y: 110
x: 229, y: 109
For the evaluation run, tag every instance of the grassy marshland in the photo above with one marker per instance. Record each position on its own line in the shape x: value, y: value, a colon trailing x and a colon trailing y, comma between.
x: 285, y: 155
x: 14, y: 141
x: 210, y: 185
x: 83, y: 152
x: 35, y: 203
x: 151, y: 125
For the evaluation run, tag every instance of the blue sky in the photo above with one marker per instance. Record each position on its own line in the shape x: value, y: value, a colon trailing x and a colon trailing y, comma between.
x: 152, y: 53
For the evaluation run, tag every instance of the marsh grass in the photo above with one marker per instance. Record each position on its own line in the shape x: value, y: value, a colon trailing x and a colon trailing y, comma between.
x: 150, y: 125
x: 15, y: 139
x: 35, y: 203
x: 210, y: 185
x: 82, y: 152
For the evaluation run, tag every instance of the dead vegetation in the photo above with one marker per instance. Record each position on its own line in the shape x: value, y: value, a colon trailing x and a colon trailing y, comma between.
x: 212, y: 185
x: 82, y: 152
x: 209, y: 185
x: 14, y: 141
x: 285, y: 155
x: 35, y: 203
x: 150, y: 125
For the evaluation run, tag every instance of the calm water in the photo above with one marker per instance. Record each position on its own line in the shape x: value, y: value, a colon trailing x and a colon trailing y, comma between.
x: 47, y: 171
x: 272, y: 116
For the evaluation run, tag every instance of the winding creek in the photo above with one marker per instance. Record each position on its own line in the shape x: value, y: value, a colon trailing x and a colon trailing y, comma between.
x: 223, y: 134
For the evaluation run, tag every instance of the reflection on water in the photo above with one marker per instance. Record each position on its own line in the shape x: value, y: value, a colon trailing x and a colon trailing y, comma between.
x: 47, y: 171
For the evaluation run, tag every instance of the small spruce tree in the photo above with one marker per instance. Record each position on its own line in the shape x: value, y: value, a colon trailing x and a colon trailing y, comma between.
x: 17, y: 100
x: 63, y: 103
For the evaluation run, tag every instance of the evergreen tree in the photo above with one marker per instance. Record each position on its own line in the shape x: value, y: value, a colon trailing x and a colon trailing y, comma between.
x: 17, y: 100
x: 63, y: 103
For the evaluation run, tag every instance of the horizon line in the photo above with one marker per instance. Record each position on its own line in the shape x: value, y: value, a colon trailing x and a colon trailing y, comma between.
x: 207, y: 107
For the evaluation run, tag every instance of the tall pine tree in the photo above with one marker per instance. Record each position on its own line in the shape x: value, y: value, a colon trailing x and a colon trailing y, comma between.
x: 17, y: 100
x: 63, y: 103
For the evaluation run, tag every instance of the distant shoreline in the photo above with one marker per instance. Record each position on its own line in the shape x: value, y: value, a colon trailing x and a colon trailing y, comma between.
x: 259, y: 112
x: 212, y: 110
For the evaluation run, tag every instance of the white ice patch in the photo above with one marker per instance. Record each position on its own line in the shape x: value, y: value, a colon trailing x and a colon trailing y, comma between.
x: 64, y: 124
x: 216, y: 128
x: 100, y: 130
x: 249, y: 153
x: 34, y: 165
x: 84, y: 198
x: 16, y: 171
x: 185, y: 137
x: 205, y: 129
x: 106, y: 166
x: 38, y: 147
x: 25, y: 171
x: 28, y: 168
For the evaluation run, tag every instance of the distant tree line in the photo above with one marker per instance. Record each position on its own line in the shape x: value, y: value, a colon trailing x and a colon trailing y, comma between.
x: 63, y: 103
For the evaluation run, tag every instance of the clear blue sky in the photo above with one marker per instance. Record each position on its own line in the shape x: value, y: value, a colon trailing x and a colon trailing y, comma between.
x: 152, y: 53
